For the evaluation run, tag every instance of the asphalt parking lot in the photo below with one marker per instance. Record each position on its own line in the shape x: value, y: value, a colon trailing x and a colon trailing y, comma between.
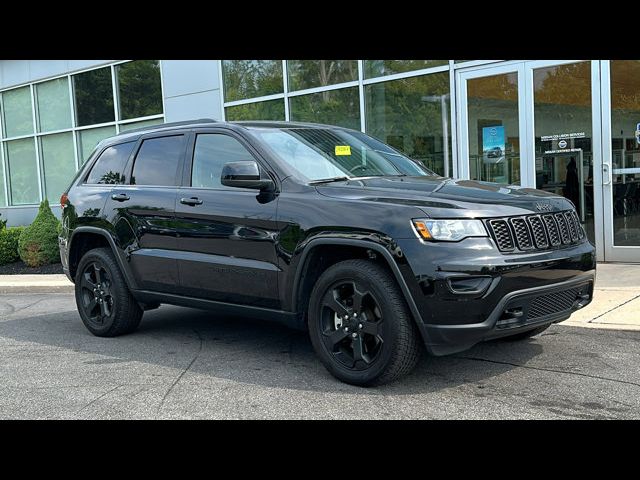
x: 185, y: 363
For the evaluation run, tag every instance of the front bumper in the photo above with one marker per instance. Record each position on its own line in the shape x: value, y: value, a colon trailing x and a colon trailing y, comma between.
x: 517, y: 312
x: 515, y: 292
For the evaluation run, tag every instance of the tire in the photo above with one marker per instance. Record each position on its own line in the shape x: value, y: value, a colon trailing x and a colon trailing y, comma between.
x: 118, y: 313
x: 357, y: 355
x: 525, y: 335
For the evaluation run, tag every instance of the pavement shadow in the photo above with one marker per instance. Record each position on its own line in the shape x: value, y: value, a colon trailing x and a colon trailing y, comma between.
x: 253, y: 351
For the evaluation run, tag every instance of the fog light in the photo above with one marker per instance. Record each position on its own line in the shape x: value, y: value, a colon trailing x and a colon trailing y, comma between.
x: 468, y: 284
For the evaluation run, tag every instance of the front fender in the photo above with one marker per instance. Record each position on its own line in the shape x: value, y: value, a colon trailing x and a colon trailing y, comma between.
x: 386, y: 247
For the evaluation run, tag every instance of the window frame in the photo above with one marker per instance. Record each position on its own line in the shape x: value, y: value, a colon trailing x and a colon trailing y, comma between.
x: 186, y: 133
x: 92, y: 161
x: 257, y: 157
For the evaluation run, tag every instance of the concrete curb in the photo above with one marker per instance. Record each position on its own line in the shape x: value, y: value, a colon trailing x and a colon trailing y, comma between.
x: 11, y: 289
x: 35, y: 284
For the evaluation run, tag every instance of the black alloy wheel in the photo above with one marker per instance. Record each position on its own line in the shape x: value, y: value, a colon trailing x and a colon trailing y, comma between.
x: 104, y: 301
x: 360, y: 325
x: 97, y: 301
x: 352, y: 325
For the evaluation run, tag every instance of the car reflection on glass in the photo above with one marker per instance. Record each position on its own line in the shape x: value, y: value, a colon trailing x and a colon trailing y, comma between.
x: 495, y: 152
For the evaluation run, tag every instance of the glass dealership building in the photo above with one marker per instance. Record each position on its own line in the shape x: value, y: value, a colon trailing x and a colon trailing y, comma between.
x: 570, y: 127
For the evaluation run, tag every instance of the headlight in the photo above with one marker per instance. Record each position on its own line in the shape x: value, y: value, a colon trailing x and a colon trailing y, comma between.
x: 449, y: 230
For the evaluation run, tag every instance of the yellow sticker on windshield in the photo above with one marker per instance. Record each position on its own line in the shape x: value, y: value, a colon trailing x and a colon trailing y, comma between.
x: 343, y: 150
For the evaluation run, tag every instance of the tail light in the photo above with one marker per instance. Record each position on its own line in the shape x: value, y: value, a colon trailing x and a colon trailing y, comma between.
x: 63, y: 200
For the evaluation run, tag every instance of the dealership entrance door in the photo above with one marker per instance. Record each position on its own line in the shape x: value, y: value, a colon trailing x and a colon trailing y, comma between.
x: 620, y: 105
x: 538, y: 124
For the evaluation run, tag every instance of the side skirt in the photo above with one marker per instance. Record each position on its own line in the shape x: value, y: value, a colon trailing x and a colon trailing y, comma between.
x: 288, y: 319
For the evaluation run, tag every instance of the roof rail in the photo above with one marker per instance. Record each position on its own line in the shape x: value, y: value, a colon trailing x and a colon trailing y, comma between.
x: 167, y: 125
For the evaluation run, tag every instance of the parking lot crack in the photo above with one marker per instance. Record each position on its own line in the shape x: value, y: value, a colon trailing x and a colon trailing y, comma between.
x: 179, y: 377
x: 542, y: 369
x: 16, y: 310
x: 99, y: 397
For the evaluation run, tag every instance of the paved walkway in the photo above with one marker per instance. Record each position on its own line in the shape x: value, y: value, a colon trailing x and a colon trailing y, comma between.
x: 616, y: 303
x: 616, y: 300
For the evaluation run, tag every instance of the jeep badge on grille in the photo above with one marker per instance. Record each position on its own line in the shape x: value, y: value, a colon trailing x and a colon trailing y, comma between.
x: 543, y: 207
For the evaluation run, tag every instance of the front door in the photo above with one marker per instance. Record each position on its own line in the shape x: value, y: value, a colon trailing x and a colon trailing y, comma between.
x: 492, y: 126
x: 226, y: 236
x: 565, y: 155
x: 621, y: 162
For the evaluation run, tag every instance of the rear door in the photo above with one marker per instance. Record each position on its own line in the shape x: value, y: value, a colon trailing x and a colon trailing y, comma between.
x: 227, y: 236
x: 143, y: 210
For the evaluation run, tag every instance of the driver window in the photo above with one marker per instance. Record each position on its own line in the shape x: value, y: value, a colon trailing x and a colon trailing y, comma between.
x: 211, y: 152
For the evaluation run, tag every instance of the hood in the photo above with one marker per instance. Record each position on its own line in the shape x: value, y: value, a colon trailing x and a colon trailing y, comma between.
x: 441, y: 197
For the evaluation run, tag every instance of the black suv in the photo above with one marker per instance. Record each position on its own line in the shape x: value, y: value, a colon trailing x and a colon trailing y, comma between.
x: 321, y: 227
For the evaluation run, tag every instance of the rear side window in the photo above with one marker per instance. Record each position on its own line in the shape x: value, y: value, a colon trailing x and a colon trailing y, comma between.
x: 211, y: 152
x: 109, y: 168
x: 157, y: 161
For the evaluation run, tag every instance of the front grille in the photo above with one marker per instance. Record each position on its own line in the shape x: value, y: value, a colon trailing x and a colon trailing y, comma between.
x: 538, y: 232
x: 539, y: 235
x: 502, y: 234
x: 573, y: 231
x: 563, y: 227
x: 552, y: 303
x: 552, y: 230
x: 523, y: 236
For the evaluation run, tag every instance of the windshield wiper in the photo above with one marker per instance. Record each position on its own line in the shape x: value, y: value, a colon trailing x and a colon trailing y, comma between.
x: 328, y: 180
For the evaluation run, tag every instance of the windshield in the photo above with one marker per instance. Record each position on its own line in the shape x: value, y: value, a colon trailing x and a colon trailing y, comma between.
x: 324, y: 153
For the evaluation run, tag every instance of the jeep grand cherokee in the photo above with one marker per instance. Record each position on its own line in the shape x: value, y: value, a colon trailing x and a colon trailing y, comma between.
x: 323, y: 228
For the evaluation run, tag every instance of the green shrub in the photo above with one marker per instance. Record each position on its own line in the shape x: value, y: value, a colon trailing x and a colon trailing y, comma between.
x: 3, y: 223
x: 9, y: 244
x: 38, y: 243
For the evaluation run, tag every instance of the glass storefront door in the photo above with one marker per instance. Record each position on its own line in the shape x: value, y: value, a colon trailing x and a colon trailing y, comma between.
x: 537, y: 124
x: 563, y: 134
x: 621, y: 159
x: 492, y: 125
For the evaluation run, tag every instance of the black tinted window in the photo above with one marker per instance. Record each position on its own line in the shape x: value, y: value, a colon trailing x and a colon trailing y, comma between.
x: 211, y: 152
x: 157, y: 161
x: 110, y: 166
x: 94, y: 97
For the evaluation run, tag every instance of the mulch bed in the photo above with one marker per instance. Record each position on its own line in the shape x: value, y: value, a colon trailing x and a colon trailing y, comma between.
x: 19, y: 268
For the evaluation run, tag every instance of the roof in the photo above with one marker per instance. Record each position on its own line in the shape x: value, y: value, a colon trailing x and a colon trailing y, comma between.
x: 133, y: 134
x: 281, y: 124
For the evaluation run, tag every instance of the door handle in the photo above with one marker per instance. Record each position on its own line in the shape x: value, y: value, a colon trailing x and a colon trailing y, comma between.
x: 191, y: 201
x: 606, y: 174
x: 120, y: 197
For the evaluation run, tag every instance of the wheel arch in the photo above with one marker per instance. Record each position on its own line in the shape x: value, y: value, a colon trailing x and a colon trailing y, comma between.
x: 87, y: 238
x: 303, y: 283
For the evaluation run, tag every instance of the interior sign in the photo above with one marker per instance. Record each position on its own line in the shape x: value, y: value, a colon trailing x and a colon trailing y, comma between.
x: 560, y: 136
x: 564, y: 150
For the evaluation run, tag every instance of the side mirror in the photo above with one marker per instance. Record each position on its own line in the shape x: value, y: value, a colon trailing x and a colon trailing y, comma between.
x: 245, y: 174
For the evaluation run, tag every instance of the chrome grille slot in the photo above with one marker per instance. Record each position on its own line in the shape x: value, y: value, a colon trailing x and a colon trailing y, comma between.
x: 523, y: 237
x: 552, y: 230
x: 580, y: 230
x: 573, y: 230
x: 502, y: 234
x: 563, y: 228
x: 539, y: 235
